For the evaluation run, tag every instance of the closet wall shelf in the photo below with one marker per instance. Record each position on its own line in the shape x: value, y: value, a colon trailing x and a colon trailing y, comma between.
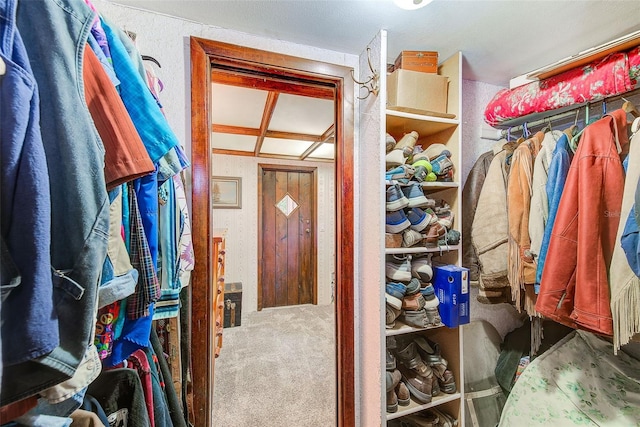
x: 421, y: 250
x: 434, y: 186
x: 400, y: 122
x: 400, y: 329
x: 415, y: 407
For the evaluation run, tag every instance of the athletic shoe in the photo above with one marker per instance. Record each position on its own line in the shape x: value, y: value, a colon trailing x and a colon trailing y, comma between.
x: 419, y: 219
x: 413, y: 192
x: 421, y: 268
x: 390, y: 143
x: 398, y: 267
x: 407, y: 142
x: 402, y: 173
x: 411, y: 238
x: 396, y: 222
x: 396, y: 199
x: 394, y: 293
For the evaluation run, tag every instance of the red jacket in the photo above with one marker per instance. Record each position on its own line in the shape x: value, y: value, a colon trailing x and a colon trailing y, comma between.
x: 574, y: 289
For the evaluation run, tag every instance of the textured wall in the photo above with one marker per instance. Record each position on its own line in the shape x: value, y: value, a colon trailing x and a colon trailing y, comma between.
x: 242, y: 226
x: 371, y: 205
x: 475, y: 97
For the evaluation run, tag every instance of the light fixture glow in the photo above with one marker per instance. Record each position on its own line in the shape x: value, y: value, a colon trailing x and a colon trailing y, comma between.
x: 411, y: 4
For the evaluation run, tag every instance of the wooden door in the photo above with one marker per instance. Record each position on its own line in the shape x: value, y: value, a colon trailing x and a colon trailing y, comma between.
x: 287, y: 229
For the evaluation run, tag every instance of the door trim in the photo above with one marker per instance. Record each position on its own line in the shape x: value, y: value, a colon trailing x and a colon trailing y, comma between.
x: 314, y: 249
x: 203, y: 53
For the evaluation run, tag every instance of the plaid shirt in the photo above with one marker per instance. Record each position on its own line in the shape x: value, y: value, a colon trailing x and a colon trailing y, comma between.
x: 148, y: 287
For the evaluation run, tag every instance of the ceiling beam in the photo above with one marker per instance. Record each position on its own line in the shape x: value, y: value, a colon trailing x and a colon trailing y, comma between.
x: 235, y: 130
x: 232, y: 152
x: 331, y: 130
x: 269, y: 108
x: 327, y: 135
x: 270, y: 84
x: 239, y: 130
x: 291, y: 135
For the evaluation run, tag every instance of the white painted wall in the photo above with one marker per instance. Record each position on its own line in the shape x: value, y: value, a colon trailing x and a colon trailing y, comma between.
x: 242, y: 225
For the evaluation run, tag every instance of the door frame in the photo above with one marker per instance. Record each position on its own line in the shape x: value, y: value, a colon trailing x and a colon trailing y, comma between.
x: 314, y: 206
x: 203, y: 53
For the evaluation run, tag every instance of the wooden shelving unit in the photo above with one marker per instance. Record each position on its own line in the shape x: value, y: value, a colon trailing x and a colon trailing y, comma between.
x: 441, y: 130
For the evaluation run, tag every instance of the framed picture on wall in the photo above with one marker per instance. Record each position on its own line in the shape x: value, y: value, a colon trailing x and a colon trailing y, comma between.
x: 226, y: 192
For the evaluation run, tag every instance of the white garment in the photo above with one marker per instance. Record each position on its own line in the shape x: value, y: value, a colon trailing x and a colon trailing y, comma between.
x: 539, y: 212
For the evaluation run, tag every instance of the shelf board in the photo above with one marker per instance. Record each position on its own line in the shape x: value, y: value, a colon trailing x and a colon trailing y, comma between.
x: 437, y: 185
x: 417, y: 407
x: 421, y: 250
x: 400, y: 329
x: 400, y: 122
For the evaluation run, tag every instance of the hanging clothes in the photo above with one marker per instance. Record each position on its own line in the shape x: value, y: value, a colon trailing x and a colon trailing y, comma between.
x: 575, y: 289
x: 539, y: 212
x: 558, y: 169
x: 470, y: 195
x: 521, y: 268
x: 79, y: 201
x: 624, y: 282
x: 490, y: 228
x: 29, y: 320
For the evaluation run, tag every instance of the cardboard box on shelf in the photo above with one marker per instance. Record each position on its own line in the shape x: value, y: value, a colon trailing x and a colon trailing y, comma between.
x: 417, y: 60
x: 451, y: 284
x: 416, y: 92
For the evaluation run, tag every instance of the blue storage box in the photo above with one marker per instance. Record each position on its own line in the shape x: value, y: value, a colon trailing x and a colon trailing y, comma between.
x: 451, y: 284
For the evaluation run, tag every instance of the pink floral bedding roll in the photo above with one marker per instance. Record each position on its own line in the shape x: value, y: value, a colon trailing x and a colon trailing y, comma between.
x: 615, y: 74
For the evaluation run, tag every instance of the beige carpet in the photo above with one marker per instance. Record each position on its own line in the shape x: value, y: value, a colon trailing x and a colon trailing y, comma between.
x: 278, y: 369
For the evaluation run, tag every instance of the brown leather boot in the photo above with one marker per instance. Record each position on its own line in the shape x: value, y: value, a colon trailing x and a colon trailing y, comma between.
x: 402, y: 392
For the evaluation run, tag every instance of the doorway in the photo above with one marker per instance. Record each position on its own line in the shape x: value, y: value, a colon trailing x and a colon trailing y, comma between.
x: 204, y: 53
x: 287, y: 236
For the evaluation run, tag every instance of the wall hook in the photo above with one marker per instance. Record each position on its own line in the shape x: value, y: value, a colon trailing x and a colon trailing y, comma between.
x: 372, y: 83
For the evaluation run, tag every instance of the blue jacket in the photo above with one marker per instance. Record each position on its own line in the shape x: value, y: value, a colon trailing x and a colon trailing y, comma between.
x: 558, y: 170
x: 29, y: 321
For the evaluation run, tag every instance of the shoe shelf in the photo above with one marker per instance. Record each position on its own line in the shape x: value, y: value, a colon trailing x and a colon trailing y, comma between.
x: 435, y: 130
x: 400, y: 122
x: 401, y: 329
x: 422, y: 249
x: 414, y: 406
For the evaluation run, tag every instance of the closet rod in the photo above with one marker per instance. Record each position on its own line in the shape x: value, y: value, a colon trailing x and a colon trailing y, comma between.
x: 563, y: 114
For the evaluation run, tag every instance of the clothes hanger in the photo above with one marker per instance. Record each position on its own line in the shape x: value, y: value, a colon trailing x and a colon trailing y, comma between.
x: 630, y: 108
x: 152, y: 59
x: 573, y: 143
x: 573, y: 129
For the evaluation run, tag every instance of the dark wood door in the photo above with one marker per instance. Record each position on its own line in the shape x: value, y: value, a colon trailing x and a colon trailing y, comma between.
x: 287, y: 258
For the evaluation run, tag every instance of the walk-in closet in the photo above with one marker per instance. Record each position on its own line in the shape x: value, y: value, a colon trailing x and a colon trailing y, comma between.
x: 400, y: 213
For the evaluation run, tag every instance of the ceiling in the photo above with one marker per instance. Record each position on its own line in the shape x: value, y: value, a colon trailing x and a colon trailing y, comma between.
x: 266, y: 118
x: 500, y: 39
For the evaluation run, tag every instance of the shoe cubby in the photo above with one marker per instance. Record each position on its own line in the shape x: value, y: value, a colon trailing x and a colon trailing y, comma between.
x: 439, y: 139
x: 448, y: 341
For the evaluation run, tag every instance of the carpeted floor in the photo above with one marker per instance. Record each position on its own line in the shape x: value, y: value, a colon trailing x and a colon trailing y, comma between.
x: 278, y: 369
